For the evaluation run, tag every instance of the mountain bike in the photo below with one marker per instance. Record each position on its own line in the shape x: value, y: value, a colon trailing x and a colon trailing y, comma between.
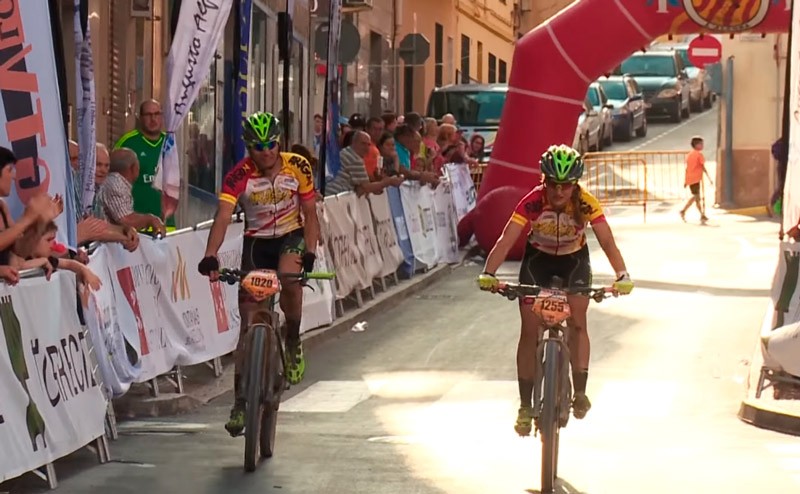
x: 263, y: 374
x: 552, y: 391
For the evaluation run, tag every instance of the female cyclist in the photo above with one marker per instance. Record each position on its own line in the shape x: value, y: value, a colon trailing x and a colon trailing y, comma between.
x: 558, y: 211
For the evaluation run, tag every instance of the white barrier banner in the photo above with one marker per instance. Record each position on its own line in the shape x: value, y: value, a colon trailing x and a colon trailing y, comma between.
x: 319, y: 297
x: 791, y: 190
x: 350, y: 274
x: 52, y: 404
x: 446, y: 234
x: 418, y: 210
x: 366, y: 240
x: 781, y: 350
x: 112, y: 329
x: 385, y: 234
x: 462, y: 187
x: 181, y: 318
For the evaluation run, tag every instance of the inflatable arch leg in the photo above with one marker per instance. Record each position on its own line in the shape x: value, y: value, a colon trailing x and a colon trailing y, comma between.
x: 552, y: 68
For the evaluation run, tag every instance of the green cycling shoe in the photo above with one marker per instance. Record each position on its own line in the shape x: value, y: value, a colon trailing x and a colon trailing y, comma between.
x: 235, y: 424
x: 295, y: 363
x: 524, y: 423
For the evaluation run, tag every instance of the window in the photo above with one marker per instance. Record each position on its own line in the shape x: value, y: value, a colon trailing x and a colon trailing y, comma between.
x: 615, y: 90
x: 480, y: 61
x: 450, y: 59
x: 202, y: 132
x: 649, y: 65
x: 502, y: 70
x: 465, y: 41
x: 438, y: 56
x: 471, y: 108
x: 492, y: 69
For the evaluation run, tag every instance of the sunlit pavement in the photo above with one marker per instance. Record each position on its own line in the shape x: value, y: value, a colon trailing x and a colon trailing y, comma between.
x: 424, y: 400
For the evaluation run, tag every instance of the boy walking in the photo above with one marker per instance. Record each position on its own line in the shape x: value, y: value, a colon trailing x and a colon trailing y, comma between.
x: 695, y: 167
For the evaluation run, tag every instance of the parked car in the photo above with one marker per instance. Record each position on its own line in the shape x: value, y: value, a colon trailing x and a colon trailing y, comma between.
x: 699, y: 78
x: 663, y: 80
x: 599, y: 101
x: 588, y: 131
x: 627, y: 101
x: 477, y: 108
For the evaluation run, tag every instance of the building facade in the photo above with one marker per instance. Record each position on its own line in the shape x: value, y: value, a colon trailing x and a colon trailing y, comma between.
x: 486, y: 36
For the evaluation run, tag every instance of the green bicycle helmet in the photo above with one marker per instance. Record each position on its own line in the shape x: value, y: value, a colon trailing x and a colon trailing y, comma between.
x: 262, y: 127
x: 562, y: 164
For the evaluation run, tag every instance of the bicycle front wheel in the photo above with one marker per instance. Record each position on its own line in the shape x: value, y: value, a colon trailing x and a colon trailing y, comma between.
x: 549, y: 416
x: 274, y: 383
x: 255, y: 395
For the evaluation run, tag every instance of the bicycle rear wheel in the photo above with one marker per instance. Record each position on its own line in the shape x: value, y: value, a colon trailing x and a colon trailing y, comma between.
x: 549, y: 416
x: 274, y: 383
x: 255, y: 395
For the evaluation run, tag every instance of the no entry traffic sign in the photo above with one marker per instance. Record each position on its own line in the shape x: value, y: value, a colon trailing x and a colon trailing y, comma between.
x: 705, y: 50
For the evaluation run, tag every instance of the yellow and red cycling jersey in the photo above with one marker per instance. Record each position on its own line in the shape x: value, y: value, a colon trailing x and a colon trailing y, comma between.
x: 271, y: 207
x: 556, y: 232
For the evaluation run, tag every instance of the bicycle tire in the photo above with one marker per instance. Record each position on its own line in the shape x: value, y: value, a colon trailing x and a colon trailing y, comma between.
x: 269, y: 419
x: 549, y: 416
x: 255, y: 393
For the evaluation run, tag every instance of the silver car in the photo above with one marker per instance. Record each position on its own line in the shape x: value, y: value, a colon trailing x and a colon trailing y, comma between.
x: 588, y: 130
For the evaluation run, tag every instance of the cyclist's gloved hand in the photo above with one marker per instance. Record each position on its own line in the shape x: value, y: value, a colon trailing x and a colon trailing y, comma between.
x: 623, y: 285
x: 309, y: 258
x: 208, y: 265
x: 487, y: 281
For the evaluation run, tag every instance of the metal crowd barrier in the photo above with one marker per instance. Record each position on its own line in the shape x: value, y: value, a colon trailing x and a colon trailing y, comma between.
x: 628, y: 177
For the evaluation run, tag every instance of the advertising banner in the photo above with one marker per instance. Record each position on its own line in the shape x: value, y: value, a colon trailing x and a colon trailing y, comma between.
x: 52, y: 404
x: 385, y: 233
x: 31, y: 123
x: 200, y: 27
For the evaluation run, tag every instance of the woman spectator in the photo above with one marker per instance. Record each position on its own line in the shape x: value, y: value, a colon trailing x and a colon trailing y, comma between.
x: 388, y: 151
x: 430, y: 148
x: 40, y: 208
x: 477, y: 147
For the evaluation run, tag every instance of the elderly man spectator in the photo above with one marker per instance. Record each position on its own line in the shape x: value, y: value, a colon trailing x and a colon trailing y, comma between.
x: 448, y: 118
x: 352, y: 175
x: 147, y: 141
x: 116, y: 194
x: 94, y: 228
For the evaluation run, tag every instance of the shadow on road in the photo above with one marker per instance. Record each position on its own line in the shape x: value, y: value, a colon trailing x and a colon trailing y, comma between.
x: 562, y: 487
x: 693, y: 288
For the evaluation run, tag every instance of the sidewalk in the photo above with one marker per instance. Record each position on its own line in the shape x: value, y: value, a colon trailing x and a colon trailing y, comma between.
x: 765, y: 411
x: 200, y: 385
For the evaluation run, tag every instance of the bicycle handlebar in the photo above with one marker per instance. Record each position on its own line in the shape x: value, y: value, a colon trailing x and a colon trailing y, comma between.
x: 513, y: 291
x: 232, y: 276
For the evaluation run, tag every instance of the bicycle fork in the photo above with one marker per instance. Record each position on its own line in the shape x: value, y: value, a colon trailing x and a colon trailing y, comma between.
x: 556, y: 335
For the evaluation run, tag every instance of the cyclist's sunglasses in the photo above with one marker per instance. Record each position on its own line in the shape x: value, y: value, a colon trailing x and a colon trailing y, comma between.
x: 260, y: 146
x: 552, y: 183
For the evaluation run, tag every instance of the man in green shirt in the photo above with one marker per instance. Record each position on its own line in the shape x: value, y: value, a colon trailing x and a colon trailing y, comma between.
x: 146, y: 142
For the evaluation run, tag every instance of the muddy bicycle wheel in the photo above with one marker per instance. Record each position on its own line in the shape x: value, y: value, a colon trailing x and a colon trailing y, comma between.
x: 549, y: 416
x: 275, y: 380
x: 255, y: 396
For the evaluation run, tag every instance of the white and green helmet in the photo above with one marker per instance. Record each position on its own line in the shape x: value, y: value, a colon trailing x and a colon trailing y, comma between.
x: 562, y: 164
x: 262, y: 127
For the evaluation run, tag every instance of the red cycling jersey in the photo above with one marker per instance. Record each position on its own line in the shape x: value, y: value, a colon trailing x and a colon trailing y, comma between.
x: 271, y: 207
x: 556, y: 232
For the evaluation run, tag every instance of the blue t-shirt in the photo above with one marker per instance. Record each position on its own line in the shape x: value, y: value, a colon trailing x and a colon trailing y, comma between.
x: 403, y: 155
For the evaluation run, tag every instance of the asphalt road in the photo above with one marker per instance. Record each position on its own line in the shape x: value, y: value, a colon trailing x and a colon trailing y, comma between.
x: 424, y: 400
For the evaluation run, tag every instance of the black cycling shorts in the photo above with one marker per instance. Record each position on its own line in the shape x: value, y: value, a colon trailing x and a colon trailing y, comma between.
x: 694, y: 189
x: 265, y: 253
x: 538, y: 268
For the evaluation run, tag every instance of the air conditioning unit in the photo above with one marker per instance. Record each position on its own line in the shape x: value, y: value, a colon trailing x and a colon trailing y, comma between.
x: 356, y: 5
x: 142, y: 8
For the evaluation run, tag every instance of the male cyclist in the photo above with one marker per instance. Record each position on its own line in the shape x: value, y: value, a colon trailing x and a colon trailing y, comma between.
x: 558, y: 212
x: 276, y: 191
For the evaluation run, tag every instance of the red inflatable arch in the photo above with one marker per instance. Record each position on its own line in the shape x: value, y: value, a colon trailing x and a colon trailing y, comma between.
x: 553, y: 67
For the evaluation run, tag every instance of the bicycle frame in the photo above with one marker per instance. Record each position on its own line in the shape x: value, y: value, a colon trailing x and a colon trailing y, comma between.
x: 557, y: 334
